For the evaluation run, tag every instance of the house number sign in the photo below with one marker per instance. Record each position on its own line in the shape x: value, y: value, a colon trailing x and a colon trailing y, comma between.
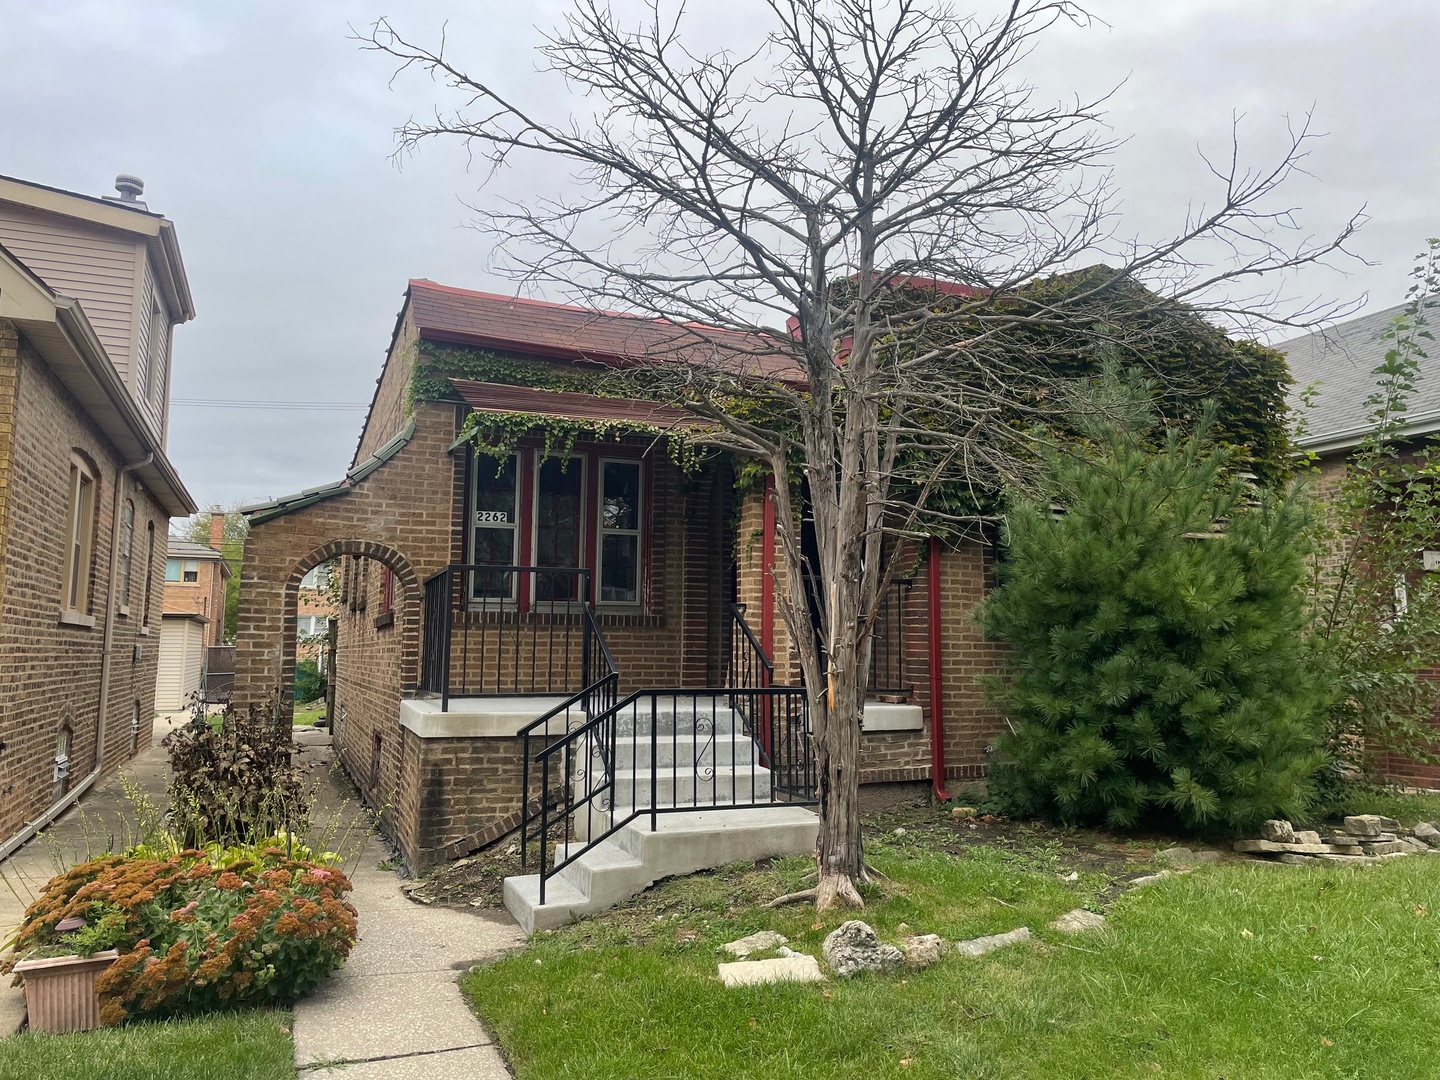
x: 492, y: 516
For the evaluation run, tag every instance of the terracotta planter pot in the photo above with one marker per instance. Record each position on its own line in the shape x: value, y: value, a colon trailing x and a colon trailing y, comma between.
x: 60, y: 991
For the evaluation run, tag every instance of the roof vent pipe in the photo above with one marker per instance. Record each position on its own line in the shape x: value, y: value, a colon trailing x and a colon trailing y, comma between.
x: 129, y: 187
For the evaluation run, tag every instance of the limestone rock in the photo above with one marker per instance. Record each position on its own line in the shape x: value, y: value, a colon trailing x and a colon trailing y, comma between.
x: 1291, y: 859
x: 795, y: 968
x: 1149, y: 879
x: 981, y: 945
x: 1387, y: 847
x: 1278, y: 831
x: 1078, y: 921
x: 853, y: 948
x: 1365, y: 825
x: 1427, y: 833
x: 922, y: 950
x: 1266, y: 847
x: 1307, y: 836
x: 1184, y: 856
x: 760, y: 941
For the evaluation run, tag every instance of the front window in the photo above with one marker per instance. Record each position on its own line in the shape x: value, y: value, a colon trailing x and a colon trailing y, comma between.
x: 80, y: 526
x: 172, y: 569
x: 620, y: 532
x: 559, y: 504
x: 495, y: 538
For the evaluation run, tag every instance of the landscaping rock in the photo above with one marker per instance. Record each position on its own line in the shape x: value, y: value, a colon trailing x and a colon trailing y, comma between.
x: 1387, y: 847
x: 796, y: 968
x: 1149, y: 879
x: 962, y: 812
x: 922, y: 950
x: 759, y: 941
x: 1266, y: 847
x: 1427, y: 833
x: 981, y: 945
x: 1278, y: 831
x: 1184, y: 856
x: 1364, y: 825
x: 1307, y: 836
x: 853, y: 948
x: 1078, y: 921
x: 1290, y: 859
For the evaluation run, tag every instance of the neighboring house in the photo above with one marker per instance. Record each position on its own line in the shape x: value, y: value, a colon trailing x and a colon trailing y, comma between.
x: 667, y: 580
x: 1337, y: 368
x: 90, y: 291
x: 194, y: 616
x: 314, y: 611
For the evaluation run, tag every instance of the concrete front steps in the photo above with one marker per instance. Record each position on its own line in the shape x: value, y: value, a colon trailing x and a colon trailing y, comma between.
x: 635, y: 858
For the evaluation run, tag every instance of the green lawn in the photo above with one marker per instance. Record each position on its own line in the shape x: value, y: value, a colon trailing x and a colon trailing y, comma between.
x: 1239, y: 970
x: 236, y: 1046
x: 306, y: 715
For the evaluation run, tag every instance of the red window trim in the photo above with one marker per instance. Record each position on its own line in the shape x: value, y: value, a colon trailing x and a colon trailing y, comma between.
x: 526, y: 473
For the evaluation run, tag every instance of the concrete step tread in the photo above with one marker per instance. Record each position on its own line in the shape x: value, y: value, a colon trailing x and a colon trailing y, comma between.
x: 559, y: 893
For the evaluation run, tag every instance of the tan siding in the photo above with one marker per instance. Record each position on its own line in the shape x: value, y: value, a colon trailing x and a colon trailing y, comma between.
x: 92, y: 265
x: 181, y: 656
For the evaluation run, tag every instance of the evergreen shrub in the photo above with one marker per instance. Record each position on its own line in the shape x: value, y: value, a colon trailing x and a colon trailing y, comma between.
x: 1157, y: 671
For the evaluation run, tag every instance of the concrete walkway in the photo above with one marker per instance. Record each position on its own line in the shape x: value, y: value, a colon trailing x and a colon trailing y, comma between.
x: 393, y: 1011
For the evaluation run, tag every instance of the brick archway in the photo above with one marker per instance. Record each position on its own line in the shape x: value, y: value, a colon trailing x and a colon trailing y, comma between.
x: 265, y: 665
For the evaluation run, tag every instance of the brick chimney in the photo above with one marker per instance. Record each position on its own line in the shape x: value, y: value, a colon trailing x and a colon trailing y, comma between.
x: 217, y: 528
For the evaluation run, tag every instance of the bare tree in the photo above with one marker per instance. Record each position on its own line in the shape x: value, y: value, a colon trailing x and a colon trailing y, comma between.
x: 858, y: 206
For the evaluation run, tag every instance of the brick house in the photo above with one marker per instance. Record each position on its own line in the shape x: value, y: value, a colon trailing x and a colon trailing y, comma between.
x: 90, y: 291
x: 1339, y: 364
x: 623, y: 572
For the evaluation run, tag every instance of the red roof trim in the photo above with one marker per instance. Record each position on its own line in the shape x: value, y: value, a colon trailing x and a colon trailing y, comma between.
x: 506, y: 398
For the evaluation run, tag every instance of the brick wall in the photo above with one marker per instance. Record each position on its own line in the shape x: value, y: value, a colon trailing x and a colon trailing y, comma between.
x: 49, y: 672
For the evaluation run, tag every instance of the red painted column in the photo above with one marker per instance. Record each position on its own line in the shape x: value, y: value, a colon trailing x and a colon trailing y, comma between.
x: 767, y: 570
x: 937, y: 681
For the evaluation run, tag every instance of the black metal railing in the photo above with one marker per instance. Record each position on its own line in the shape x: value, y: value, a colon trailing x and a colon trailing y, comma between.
x: 887, y: 642
x: 513, y: 630
x: 666, y: 751
x: 748, y: 665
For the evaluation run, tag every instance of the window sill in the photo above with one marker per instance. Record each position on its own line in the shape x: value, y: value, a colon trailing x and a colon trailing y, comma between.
x: 382, y: 621
x: 76, y: 618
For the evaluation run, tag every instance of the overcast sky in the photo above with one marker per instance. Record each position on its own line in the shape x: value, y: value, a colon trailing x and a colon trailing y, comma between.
x: 265, y: 134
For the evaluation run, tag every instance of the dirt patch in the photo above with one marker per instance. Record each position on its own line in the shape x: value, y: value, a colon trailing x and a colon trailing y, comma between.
x: 476, y: 883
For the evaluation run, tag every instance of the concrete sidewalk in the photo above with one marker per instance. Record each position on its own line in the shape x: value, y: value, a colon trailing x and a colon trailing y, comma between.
x: 394, y: 1009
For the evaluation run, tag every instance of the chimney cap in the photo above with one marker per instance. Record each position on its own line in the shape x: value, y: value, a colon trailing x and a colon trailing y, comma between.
x: 129, y: 187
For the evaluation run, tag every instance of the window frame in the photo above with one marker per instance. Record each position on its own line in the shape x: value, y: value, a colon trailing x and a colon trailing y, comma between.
x: 149, y: 572
x: 592, y: 461
x: 532, y: 546
x: 521, y: 458
x: 82, y: 510
x: 639, y: 532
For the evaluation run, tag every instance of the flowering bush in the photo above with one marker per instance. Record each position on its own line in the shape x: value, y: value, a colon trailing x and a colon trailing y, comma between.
x: 203, y: 930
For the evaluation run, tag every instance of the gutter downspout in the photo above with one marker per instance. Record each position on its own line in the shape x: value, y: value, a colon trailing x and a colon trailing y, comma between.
x: 69, y: 798
x: 937, y: 682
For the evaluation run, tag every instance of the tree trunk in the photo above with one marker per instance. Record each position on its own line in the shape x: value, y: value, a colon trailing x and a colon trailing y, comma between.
x: 837, y: 751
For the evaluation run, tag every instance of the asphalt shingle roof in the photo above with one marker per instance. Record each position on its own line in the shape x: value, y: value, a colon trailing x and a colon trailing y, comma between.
x: 1340, y: 362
